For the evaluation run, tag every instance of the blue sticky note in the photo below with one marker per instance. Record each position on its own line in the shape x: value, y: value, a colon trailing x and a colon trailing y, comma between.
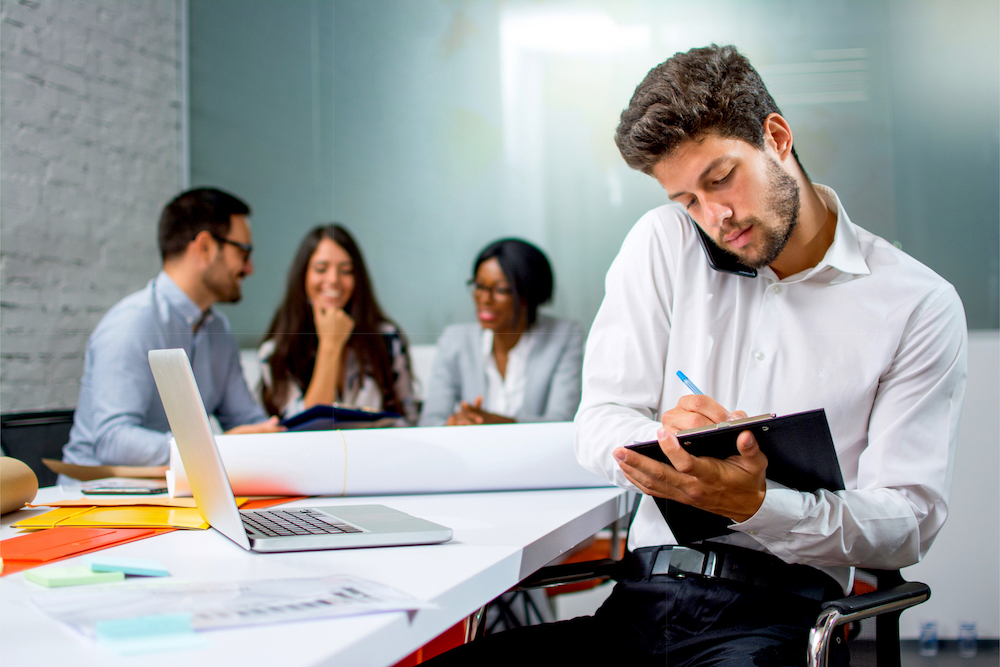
x: 74, y: 575
x: 149, y: 634
x: 145, y: 567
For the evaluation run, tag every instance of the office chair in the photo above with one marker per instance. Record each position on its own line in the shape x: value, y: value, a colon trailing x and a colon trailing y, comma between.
x: 32, y: 436
x: 868, y: 619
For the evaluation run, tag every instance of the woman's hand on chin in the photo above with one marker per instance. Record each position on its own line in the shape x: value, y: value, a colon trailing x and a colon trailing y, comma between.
x: 333, y: 325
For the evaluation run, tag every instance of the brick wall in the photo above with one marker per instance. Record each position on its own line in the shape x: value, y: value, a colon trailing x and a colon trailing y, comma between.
x: 90, y: 144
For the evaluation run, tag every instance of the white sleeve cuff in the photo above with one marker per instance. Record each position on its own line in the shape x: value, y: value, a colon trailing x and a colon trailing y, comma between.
x: 782, y: 510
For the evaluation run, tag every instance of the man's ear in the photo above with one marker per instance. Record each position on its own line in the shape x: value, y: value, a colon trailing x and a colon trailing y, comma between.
x: 204, y: 247
x: 778, y: 135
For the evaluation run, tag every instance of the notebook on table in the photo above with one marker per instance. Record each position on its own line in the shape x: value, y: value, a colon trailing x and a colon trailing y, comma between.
x: 291, y: 529
x: 329, y: 417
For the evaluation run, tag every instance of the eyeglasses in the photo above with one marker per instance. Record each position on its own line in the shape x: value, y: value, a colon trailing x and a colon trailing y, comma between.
x: 247, y: 248
x: 480, y: 291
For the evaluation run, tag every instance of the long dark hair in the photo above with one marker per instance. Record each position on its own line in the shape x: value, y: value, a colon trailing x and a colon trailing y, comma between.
x: 294, y: 331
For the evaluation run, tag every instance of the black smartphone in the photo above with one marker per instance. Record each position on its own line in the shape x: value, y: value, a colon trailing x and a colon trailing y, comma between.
x: 716, y: 440
x: 129, y: 487
x: 124, y: 492
x: 721, y: 260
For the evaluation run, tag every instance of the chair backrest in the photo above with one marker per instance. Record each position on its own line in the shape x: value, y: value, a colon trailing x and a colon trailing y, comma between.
x: 32, y: 436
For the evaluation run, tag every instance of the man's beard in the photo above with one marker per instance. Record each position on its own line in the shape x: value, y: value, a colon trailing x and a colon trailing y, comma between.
x: 222, y: 284
x: 783, y: 202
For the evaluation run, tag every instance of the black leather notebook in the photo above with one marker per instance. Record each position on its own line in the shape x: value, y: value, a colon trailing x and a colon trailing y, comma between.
x: 329, y: 417
x: 800, y: 455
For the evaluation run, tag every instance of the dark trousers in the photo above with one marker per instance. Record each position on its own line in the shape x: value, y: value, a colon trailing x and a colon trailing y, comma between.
x: 662, y: 621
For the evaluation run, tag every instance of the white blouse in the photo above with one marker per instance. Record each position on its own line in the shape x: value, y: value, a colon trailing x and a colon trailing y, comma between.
x: 505, y: 394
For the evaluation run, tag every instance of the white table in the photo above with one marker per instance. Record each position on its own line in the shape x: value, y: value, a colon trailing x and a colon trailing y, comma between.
x: 499, y: 538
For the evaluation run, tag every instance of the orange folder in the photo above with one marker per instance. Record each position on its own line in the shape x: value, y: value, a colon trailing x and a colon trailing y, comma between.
x: 46, y: 546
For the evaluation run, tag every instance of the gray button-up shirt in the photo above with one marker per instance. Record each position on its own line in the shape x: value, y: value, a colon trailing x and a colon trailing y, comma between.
x: 119, y: 419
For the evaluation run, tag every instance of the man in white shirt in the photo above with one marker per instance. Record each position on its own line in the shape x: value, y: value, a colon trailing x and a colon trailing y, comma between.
x: 786, y: 307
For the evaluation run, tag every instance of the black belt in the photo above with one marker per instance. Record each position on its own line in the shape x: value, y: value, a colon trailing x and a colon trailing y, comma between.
x: 734, y: 564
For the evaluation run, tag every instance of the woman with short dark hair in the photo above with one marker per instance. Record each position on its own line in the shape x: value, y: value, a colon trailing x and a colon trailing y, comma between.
x: 514, y: 365
x: 329, y: 341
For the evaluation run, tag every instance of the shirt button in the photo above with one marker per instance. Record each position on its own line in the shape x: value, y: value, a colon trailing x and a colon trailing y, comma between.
x: 777, y: 289
x: 759, y: 356
x: 751, y: 532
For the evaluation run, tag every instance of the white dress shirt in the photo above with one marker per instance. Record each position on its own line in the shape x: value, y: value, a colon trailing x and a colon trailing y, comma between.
x: 869, y: 334
x: 505, y: 393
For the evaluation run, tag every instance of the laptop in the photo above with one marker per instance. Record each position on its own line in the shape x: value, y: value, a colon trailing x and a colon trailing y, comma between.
x: 291, y: 529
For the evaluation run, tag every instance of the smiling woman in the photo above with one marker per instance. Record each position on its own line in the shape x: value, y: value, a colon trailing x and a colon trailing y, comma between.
x: 329, y: 341
x: 516, y: 365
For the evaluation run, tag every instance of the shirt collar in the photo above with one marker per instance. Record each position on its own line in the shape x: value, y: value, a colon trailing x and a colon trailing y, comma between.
x: 844, y: 254
x: 486, y: 340
x: 180, y: 302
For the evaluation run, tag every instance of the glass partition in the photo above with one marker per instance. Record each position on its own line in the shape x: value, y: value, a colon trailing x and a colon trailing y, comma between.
x: 432, y: 128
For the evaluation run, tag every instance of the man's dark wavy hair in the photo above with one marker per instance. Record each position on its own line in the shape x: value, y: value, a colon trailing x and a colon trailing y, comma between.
x: 713, y: 89
x: 192, y: 212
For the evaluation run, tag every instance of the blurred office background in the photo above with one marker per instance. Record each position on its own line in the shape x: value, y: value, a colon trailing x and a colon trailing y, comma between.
x: 430, y: 127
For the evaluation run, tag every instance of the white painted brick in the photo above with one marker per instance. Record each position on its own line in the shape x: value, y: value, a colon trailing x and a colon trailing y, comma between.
x: 25, y: 15
x: 17, y: 90
x: 89, y: 140
x: 21, y: 40
x: 61, y: 78
x: 18, y: 370
x: 23, y: 63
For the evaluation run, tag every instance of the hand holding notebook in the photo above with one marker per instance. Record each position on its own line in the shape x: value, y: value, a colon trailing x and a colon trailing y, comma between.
x: 798, y: 448
x: 800, y: 455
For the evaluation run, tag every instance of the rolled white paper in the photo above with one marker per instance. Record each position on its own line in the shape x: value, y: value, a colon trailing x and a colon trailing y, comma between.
x: 359, y: 462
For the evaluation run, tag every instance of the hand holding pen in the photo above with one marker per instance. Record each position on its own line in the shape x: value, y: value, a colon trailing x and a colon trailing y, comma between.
x: 732, y: 487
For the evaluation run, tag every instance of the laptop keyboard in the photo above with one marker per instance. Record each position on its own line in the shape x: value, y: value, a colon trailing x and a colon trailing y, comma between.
x: 305, y: 521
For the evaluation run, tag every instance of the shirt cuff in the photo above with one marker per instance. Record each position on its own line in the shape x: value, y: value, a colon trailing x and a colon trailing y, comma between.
x: 777, y: 516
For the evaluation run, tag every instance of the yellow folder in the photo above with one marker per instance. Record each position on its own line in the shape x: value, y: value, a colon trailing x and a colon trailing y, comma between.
x: 118, y: 517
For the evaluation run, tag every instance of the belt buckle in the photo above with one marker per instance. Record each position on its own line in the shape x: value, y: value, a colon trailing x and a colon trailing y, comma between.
x: 679, y: 562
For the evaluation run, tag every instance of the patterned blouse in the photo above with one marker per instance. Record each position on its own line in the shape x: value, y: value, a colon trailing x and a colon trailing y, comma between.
x: 360, y: 390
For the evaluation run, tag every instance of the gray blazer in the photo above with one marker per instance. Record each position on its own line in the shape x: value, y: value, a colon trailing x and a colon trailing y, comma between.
x: 552, y: 391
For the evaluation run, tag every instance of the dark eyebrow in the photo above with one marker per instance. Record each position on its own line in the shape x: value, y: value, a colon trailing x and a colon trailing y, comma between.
x: 711, y: 165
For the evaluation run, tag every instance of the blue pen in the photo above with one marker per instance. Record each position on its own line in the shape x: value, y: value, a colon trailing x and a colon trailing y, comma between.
x: 690, y: 385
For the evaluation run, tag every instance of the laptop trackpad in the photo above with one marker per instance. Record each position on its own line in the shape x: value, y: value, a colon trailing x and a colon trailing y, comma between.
x: 378, y: 518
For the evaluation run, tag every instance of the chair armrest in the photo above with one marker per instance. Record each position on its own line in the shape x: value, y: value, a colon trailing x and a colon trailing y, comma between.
x: 899, y: 597
x: 835, y: 613
x: 568, y: 573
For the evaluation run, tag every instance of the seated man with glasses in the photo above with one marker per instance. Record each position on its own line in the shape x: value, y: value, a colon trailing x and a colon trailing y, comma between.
x: 514, y: 365
x: 205, y: 241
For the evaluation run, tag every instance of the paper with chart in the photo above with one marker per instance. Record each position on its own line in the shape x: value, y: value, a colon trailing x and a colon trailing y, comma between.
x: 224, y: 604
x: 503, y: 457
